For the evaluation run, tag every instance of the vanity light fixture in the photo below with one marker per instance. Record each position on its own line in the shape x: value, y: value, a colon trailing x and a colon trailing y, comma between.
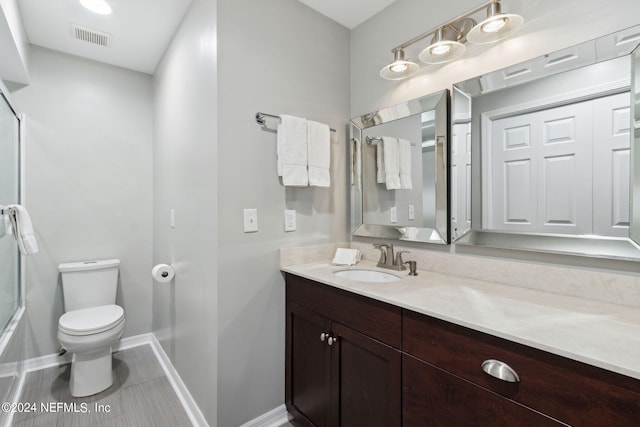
x: 399, y: 69
x: 448, y: 42
x: 101, y: 7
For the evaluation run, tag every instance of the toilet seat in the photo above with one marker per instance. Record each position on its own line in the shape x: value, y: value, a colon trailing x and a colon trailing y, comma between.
x: 89, y: 321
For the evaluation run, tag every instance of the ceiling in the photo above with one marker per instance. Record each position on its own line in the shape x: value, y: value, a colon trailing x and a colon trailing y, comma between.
x: 349, y: 13
x: 140, y: 30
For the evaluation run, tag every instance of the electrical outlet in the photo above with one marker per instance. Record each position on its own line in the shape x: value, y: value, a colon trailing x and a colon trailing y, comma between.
x: 393, y: 214
x: 172, y: 218
x: 250, y: 220
x: 289, y: 220
x: 412, y: 212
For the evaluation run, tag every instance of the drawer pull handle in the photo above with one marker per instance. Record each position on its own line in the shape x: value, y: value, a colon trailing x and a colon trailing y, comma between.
x: 323, y: 336
x: 500, y: 370
x: 332, y: 340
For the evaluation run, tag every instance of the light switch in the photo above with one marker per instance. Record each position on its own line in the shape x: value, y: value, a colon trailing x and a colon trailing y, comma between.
x: 250, y: 220
x: 289, y: 220
x: 393, y: 214
x: 412, y: 212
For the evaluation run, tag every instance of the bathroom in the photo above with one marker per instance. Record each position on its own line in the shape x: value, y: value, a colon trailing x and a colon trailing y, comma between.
x: 113, y: 157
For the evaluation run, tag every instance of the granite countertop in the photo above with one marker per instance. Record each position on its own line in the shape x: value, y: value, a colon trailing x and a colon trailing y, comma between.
x: 596, y: 333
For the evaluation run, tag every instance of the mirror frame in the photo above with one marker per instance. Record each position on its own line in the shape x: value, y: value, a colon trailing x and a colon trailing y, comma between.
x: 440, y: 102
x: 619, y: 248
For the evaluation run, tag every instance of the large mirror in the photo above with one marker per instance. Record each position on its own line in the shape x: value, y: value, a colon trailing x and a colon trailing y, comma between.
x: 542, y: 155
x: 399, y: 171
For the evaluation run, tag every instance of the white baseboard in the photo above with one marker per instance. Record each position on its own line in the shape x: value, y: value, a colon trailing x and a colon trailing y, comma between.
x: 190, y: 406
x: 274, y: 418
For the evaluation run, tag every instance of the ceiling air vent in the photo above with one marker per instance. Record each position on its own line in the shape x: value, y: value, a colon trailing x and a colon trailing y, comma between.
x: 90, y: 36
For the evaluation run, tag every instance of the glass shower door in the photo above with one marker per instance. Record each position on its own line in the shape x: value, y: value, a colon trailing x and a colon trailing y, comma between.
x: 9, y: 194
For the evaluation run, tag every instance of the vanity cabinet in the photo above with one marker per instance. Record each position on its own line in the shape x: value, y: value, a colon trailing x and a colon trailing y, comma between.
x: 442, y: 376
x: 356, y: 361
x: 343, y: 363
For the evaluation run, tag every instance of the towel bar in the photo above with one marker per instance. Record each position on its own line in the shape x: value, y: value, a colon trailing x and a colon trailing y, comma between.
x: 260, y: 119
x: 372, y: 139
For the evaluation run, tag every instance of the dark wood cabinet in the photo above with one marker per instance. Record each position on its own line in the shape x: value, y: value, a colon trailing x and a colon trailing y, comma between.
x: 434, y: 397
x: 337, y: 375
x: 563, y: 389
x: 356, y: 361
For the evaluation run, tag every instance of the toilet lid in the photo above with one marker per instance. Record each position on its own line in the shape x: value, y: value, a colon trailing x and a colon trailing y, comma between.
x: 92, y: 320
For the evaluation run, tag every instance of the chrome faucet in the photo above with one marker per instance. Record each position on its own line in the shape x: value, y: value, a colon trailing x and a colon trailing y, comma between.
x: 387, y: 260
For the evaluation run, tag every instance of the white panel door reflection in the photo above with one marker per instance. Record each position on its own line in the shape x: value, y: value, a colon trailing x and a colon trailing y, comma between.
x: 562, y: 170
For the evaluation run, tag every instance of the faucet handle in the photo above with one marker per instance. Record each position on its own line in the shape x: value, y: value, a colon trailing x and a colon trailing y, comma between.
x: 398, y: 263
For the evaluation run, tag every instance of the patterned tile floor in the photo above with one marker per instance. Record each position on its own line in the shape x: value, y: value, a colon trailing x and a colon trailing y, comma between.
x: 140, y: 396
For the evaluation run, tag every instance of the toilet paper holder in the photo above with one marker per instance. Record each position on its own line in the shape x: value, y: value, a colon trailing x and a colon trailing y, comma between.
x: 163, y: 273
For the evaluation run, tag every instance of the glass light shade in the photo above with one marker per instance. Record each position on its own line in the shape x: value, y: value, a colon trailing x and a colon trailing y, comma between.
x: 441, y: 49
x: 441, y: 52
x: 496, y: 27
x: 101, y: 7
x: 399, y: 69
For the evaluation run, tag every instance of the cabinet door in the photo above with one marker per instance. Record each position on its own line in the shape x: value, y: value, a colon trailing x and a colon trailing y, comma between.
x: 366, y: 389
x: 308, y: 386
x: 433, y: 397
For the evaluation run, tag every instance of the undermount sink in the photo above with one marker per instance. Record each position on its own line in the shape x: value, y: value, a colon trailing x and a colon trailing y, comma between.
x: 367, y: 275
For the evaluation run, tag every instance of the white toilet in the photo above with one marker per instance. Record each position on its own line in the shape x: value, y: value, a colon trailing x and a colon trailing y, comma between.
x: 91, y: 322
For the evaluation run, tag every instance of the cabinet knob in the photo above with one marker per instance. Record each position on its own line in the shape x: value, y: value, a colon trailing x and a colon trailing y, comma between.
x: 323, y: 336
x: 332, y: 340
x: 500, y: 370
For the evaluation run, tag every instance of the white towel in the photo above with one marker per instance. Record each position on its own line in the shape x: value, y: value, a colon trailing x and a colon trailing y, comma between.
x: 293, y: 151
x: 391, y: 163
x: 380, y: 162
x: 279, y: 144
x: 319, y: 140
x: 404, y: 156
x: 23, y: 230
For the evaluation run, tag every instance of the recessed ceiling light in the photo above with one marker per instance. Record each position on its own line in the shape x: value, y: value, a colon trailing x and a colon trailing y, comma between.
x: 101, y: 7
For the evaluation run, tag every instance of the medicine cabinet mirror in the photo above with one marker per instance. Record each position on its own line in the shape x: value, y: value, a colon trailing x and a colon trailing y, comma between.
x: 418, y: 210
x: 543, y: 155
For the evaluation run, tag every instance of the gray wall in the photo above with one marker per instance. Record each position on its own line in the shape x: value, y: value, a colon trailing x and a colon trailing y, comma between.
x: 277, y: 57
x: 227, y: 300
x: 185, y: 180
x: 88, y: 143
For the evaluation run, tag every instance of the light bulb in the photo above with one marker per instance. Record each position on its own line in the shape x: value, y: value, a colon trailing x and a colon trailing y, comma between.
x: 495, y: 25
x: 441, y: 49
x: 399, y: 68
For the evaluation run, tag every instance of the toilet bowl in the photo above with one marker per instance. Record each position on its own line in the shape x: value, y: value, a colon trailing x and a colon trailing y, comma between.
x: 91, y: 324
x: 89, y: 334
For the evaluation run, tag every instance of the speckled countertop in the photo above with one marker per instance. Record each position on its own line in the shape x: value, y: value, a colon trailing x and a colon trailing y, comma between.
x: 600, y: 334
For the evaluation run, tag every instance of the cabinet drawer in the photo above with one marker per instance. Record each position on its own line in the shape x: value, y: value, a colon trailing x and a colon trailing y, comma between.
x: 370, y: 317
x: 567, y: 390
x: 433, y: 397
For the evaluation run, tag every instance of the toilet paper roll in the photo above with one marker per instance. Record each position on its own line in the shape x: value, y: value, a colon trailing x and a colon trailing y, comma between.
x: 163, y: 273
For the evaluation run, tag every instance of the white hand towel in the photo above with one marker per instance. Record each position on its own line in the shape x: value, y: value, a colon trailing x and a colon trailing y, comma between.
x: 319, y: 154
x: 404, y: 156
x: 380, y: 162
x: 391, y: 163
x: 279, y: 144
x: 293, y: 151
x: 23, y: 230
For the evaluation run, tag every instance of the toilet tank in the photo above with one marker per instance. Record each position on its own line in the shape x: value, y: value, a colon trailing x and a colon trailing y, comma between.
x: 88, y: 284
